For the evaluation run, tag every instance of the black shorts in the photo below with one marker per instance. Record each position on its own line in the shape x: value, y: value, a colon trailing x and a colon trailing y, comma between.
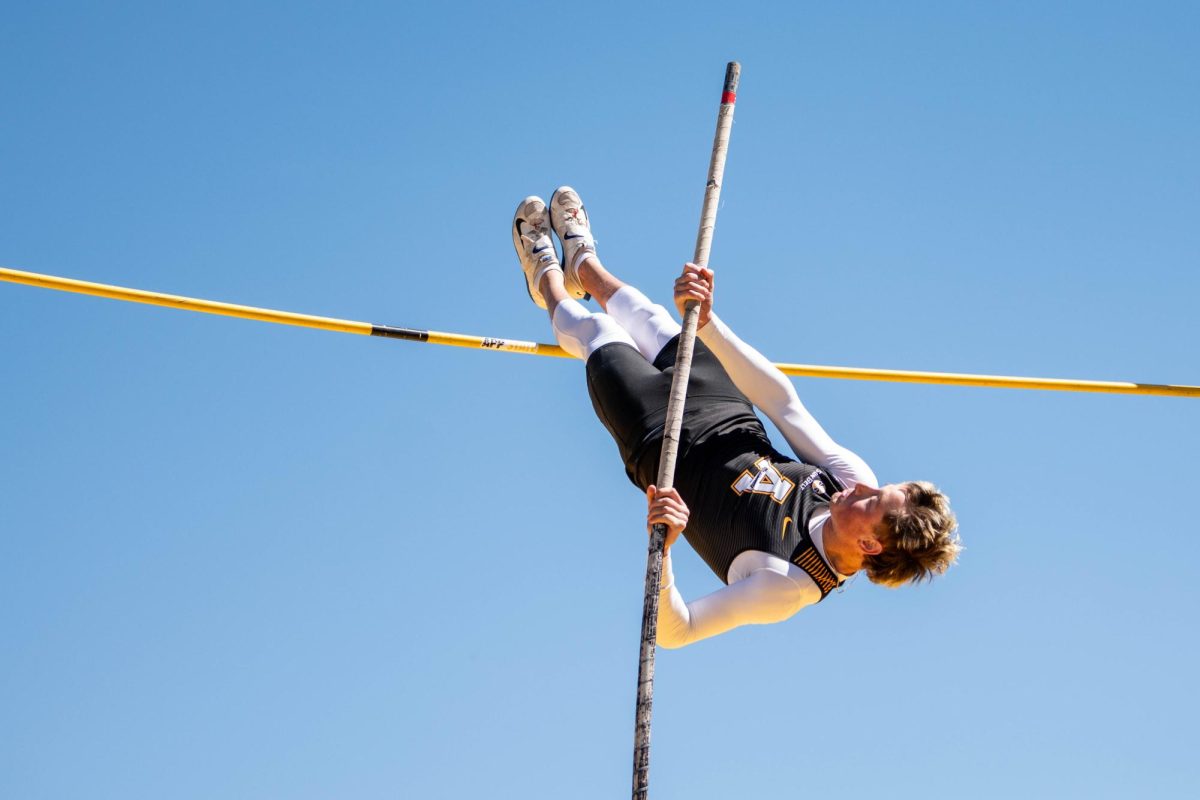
x: 630, y: 397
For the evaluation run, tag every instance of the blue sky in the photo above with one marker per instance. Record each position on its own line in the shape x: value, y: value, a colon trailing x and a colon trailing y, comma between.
x: 244, y: 560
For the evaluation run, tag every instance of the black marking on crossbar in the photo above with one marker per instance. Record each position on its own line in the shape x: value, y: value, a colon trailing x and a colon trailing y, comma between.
x: 410, y: 334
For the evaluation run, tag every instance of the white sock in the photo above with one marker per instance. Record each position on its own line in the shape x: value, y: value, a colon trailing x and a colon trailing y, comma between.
x: 650, y: 325
x: 547, y: 266
x: 580, y: 255
x: 582, y: 333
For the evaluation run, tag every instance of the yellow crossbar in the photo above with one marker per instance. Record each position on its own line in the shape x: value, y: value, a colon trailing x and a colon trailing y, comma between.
x: 186, y: 303
x: 535, y: 348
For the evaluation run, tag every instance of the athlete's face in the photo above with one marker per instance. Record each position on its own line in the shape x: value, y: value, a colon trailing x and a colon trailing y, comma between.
x: 857, y: 512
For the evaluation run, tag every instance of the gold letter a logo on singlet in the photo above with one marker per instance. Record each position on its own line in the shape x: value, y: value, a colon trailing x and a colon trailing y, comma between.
x: 766, y: 479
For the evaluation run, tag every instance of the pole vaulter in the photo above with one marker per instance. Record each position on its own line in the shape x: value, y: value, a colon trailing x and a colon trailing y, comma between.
x: 541, y: 349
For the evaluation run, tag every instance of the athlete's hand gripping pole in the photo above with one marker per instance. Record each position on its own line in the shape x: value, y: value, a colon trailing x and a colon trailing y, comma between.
x: 670, y: 445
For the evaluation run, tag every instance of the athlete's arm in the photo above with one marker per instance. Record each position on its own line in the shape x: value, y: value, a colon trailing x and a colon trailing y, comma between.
x: 763, y: 596
x: 768, y: 388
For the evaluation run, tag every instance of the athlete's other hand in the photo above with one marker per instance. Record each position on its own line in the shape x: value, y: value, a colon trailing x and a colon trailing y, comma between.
x: 695, y: 283
x: 667, y: 507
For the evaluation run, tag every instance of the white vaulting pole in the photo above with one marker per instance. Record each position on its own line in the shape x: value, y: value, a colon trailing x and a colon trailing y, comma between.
x: 670, y: 445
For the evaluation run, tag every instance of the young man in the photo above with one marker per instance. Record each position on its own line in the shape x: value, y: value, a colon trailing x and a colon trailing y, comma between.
x: 780, y: 532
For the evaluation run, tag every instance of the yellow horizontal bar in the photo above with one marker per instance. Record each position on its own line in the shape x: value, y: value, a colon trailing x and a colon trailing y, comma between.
x: 994, y: 381
x: 535, y: 348
x: 185, y: 303
x: 505, y: 345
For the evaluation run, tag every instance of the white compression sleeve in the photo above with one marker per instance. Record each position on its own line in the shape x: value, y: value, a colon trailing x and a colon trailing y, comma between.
x: 650, y: 325
x: 770, y: 390
x: 763, y: 596
x: 581, y: 333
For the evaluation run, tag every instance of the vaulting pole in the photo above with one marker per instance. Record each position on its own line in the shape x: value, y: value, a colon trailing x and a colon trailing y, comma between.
x: 128, y: 295
x: 670, y: 445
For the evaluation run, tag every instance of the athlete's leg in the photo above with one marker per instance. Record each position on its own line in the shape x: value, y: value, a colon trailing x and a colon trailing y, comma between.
x: 653, y: 329
x: 628, y: 394
x: 578, y: 331
x: 597, y: 280
x: 651, y: 325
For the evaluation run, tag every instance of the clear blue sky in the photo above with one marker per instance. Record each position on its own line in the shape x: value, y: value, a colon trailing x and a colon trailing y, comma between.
x: 244, y: 560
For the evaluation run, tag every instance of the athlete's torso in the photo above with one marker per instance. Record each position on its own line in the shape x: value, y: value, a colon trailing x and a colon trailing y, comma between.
x: 744, y: 495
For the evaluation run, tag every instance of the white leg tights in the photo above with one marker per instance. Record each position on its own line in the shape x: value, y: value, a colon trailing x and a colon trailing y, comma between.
x: 650, y: 325
x: 582, y: 333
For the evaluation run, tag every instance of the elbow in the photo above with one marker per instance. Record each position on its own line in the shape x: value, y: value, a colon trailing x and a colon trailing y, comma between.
x: 673, y: 636
x: 671, y: 641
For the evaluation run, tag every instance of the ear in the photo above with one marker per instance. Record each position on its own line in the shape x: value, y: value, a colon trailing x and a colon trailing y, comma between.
x: 869, y: 546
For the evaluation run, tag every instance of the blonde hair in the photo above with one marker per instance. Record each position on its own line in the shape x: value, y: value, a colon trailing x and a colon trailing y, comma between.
x: 919, y: 541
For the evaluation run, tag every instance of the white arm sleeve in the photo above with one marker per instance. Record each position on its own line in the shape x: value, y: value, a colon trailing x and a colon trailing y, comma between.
x: 761, y: 597
x: 771, y: 391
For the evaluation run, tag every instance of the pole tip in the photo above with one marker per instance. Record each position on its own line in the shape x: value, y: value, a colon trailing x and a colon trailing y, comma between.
x: 733, y: 71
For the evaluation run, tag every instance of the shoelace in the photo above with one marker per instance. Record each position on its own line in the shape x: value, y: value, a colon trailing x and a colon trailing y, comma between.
x: 573, y: 217
x: 533, y: 238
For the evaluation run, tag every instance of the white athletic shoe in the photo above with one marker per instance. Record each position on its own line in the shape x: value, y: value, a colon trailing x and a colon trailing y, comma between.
x: 535, y: 248
x: 569, y: 219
